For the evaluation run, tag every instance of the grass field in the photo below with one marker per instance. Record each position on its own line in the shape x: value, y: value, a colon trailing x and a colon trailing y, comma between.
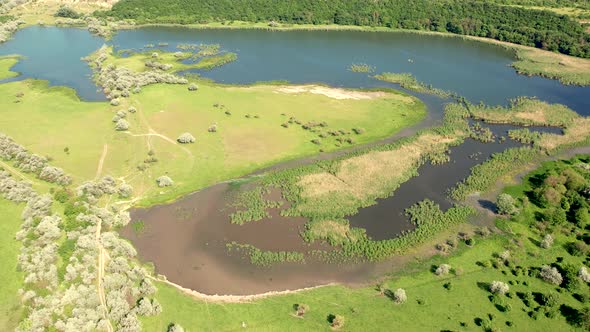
x: 250, y: 134
x: 6, y: 62
x: 430, y: 305
x: 12, y: 280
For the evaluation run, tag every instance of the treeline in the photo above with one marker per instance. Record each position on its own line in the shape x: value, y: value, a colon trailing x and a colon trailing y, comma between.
x: 536, y: 28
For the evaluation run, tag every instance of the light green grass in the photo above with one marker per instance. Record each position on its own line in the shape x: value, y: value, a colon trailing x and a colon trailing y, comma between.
x: 11, y: 279
x: 6, y: 62
x: 49, y: 119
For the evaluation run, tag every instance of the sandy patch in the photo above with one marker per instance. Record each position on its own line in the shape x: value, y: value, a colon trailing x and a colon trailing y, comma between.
x: 334, y: 93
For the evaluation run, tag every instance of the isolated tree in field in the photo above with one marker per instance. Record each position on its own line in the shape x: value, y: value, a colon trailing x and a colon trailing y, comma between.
x: 443, y: 269
x: 547, y: 241
x: 506, y: 205
x: 122, y: 125
x: 498, y: 287
x: 193, y: 87
x: 337, y: 321
x: 551, y: 275
x: 399, y: 296
x: 164, y: 181
x: 301, y: 309
x: 186, y: 138
x: 212, y: 128
x: 175, y: 328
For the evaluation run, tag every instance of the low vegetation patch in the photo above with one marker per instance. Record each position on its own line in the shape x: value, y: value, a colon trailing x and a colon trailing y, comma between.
x: 408, y: 81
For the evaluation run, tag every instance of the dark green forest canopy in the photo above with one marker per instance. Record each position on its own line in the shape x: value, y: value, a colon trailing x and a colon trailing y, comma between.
x: 536, y: 28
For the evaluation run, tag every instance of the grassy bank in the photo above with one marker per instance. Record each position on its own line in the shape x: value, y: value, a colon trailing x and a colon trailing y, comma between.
x: 12, y: 279
x: 6, y: 62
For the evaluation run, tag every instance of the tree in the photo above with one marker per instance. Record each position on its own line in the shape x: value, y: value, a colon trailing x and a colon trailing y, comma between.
x: 186, y: 138
x: 66, y: 12
x: 301, y: 309
x: 212, y: 128
x: 506, y: 205
x: 399, y: 296
x: 193, y: 87
x: 125, y: 190
x: 551, y: 275
x: 122, y: 125
x: 499, y: 287
x: 443, y: 269
x: 164, y: 181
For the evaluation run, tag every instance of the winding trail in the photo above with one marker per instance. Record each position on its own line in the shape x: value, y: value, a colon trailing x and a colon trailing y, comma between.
x: 105, y: 150
x: 168, y: 139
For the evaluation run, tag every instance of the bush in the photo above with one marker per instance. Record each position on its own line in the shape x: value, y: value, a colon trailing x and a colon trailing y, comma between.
x: 122, y: 125
x: 212, y: 128
x: 551, y: 275
x: 498, y: 287
x: 164, y: 181
x: 506, y: 205
x: 193, y: 87
x: 175, y: 328
x: 67, y: 12
x: 399, y: 296
x: 115, y: 102
x: 584, y: 274
x: 443, y: 269
x: 301, y: 309
x: 132, y: 109
x: 125, y: 191
x: 186, y: 138
x: 547, y: 241
x: 337, y: 321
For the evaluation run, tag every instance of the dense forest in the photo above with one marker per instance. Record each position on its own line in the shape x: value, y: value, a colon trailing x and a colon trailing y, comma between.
x: 542, y: 29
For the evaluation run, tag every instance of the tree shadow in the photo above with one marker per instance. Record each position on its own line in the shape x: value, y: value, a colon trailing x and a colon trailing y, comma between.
x: 331, y: 318
x: 483, y: 286
x: 488, y: 205
x: 535, y: 242
x: 389, y: 294
x: 571, y: 315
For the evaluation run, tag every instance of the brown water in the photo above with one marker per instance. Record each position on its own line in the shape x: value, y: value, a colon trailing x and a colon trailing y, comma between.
x: 186, y: 240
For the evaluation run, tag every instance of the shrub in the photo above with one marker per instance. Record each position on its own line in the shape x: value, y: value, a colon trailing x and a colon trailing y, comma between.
x: 506, y: 205
x: 337, y: 321
x: 175, y: 328
x: 301, y: 309
x: 584, y: 274
x: 115, y: 102
x: 212, y: 128
x: 498, y: 287
x: 125, y: 191
x: 122, y: 125
x: 164, y: 181
x: 443, y: 269
x: 186, y: 138
x: 155, y: 55
x: 547, y: 241
x: 66, y: 12
x: 399, y: 296
x: 551, y: 275
x: 193, y: 87
x: 132, y: 109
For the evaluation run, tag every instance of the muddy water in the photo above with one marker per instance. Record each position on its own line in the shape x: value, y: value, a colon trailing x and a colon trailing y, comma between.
x: 186, y: 240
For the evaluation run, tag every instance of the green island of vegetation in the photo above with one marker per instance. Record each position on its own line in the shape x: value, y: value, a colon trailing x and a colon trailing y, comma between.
x: 64, y: 198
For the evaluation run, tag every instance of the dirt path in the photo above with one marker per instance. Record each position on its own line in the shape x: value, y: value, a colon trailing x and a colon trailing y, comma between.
x: 14, y: 171
x: 153, y: 133
x: 234, y: 298
x: 105, y: 150
x: 102, y: 257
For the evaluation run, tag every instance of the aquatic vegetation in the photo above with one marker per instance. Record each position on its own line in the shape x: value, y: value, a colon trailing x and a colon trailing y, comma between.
x: 361, y: 68
x: 408, y: 81
x: 252, y: 206
x: 211, y: 62
x: 266, y: 258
